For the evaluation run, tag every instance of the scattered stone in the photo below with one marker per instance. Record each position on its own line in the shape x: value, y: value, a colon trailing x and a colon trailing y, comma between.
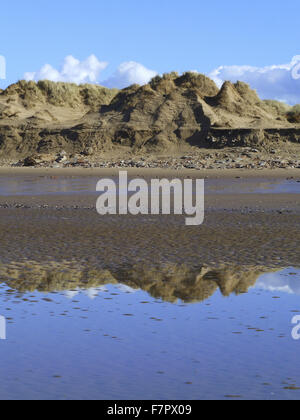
x: 29, y: 161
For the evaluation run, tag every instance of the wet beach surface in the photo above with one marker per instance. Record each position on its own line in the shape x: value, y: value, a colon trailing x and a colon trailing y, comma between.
x: 124, y: 307
x: 48, y: 184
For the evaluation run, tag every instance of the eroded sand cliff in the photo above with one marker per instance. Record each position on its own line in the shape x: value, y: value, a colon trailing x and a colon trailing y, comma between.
x: 165, y: 116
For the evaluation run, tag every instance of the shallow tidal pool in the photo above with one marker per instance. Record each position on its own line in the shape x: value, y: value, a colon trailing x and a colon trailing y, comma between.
x: 114, y: 342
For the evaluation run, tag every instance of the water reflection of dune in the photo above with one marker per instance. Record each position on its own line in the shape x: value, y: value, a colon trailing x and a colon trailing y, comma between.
x: 29, y: 276
x: 171, y: 283
x: 168, y: 282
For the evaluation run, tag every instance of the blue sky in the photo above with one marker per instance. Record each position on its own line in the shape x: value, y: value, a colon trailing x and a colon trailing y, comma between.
x: 162, y: 35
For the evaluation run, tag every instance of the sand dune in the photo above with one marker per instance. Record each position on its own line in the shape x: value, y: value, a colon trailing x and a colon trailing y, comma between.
x: 163, y: 116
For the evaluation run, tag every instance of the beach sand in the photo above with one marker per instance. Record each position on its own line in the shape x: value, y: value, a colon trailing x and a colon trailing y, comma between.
x: 241, y: 231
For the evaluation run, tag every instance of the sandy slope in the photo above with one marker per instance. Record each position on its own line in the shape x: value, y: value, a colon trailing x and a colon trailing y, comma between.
x: 169, y: 114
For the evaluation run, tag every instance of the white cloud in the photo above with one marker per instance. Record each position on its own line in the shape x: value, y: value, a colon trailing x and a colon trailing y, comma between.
x: 72, y: 70
x: 281, y: 281
x: 281, y: 82
x: 89, y: 71
x: 2, y: 67
x: 130, y: 73
x: 70, y: 294
x: 126, y: 289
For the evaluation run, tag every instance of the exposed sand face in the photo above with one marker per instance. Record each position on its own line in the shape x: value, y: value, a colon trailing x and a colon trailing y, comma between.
x: 59, y: 241
x: 170, y: 113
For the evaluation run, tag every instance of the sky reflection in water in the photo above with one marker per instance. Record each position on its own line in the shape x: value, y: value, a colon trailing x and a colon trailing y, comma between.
x: 116, y: 342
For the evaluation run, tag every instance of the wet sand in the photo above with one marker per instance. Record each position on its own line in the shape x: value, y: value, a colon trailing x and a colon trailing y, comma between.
x: 225, y: 237
x: 242, y: 229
